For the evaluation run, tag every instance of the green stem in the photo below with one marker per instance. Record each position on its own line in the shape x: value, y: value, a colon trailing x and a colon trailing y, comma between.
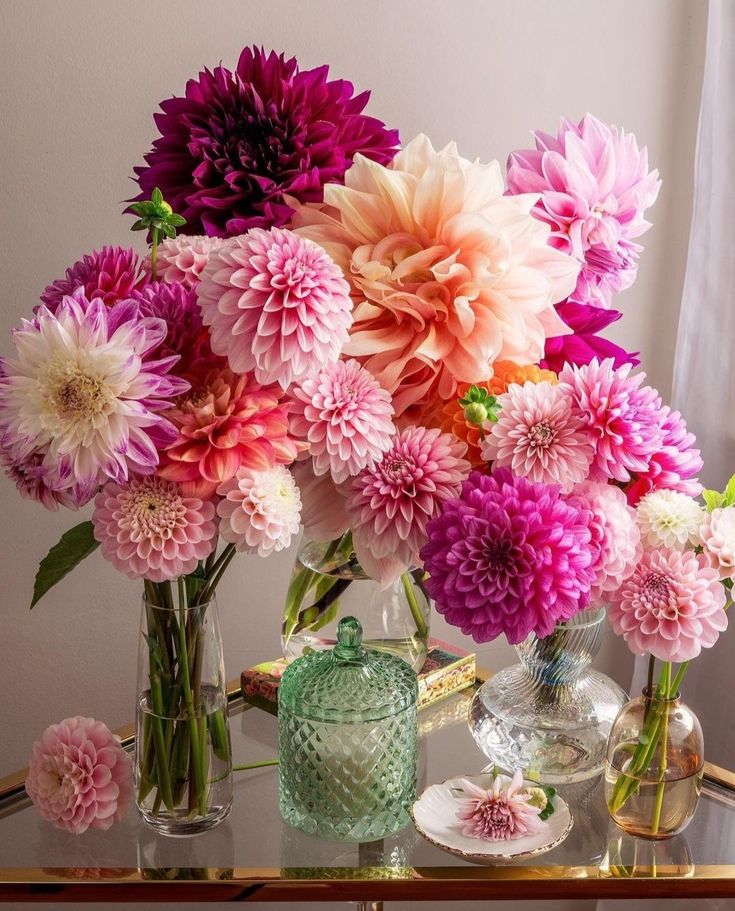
x: 164, y: 782
x: 661, y: 788
x: 422, y: 630
x: 254, y: 765
x: 218, y: 570
x: 195, y: 784
x: 154, y: 253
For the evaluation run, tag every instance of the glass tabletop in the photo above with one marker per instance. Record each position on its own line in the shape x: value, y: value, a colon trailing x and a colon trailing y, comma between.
x: 254, y: 856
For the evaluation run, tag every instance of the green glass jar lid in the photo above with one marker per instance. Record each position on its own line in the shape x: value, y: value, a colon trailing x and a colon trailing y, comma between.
x: 348, y: 684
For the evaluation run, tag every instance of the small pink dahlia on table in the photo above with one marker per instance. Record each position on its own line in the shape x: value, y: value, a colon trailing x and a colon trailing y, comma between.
x: 500, y: 813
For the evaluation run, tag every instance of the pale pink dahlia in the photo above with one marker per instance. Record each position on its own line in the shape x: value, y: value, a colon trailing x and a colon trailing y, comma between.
x: 112, y: 274
x: 390, y: 504
x: 323, y: 503
x: 615, y: 532
x: 622, y: 419
x: 500, y: 813
x: 539, y: 436
x: 148, y: 529
x: 276, y: 305
x: 669, y: 518
x: 182, y: 259
x: 671, y: 607
x: 79, y: 776
x: 345, y: 416
x: 259, y: 510
x: 717, y: 535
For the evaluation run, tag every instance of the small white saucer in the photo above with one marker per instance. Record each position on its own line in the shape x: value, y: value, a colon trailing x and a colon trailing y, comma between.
x: 435, y: 817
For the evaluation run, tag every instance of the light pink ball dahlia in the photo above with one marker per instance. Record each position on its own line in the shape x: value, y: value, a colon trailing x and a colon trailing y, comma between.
x: 391, y: 504
x: 539, y: 436
x: 183, y: 258
x: 79, y: 776
x: 259, y: 510
x: 149, y: 529
x: 276, y: 304
x: 717, y: 535
x: 345, y: 415
x: 500, y: 813
x: 671, y: 607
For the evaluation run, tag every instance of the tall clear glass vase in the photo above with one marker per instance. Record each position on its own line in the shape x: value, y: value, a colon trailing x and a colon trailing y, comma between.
x: 550, y: 714
x: 183, y: 762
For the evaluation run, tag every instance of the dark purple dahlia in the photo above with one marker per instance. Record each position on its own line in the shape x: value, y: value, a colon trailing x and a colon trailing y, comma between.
x: 584, y: 344
x: 236, y: 143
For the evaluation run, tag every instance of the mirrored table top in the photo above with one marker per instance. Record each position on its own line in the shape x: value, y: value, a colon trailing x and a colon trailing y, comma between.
x: 254, y: 856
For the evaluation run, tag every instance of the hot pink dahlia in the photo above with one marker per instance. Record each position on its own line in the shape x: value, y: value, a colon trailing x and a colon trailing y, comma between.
x: 717, y: 535
x: 149, y: 529
x: 345, y: 415
x: 276, y: 305
x: 539, y: 436
x: 594, y: 187
x: 584, y: 344
x: 323, y: 503
x: 614, y: 531
x: 671, y: 607
x: 112, y: 274
x: 498, y: 814
x: 509, y: 556
x: 182, y: 259
x: 259, y: 510
x: 237, y: 142
x: 621, y: 418
x: 79, y: 776
x: 390, y: 504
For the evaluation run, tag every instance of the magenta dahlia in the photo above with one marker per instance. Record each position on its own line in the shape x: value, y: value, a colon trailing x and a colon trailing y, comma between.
x: 509, y: 556
x: 237, y: 143
x: 112, y: 273
x: 584, y: 344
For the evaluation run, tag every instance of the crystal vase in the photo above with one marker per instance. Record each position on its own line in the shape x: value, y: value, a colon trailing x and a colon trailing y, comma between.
x: 183, y: 764
x: 551, y: 714
x: 328, y: 583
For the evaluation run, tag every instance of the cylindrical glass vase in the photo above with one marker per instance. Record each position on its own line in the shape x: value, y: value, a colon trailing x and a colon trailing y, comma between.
x: 183, y: 762
x: 328, y: 583
x: 550, y: 714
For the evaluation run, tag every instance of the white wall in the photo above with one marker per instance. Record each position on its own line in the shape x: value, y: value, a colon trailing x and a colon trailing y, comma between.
x: 79, y: 82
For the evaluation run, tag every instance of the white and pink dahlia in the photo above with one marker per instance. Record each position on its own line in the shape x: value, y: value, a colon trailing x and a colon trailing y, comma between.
x: 149, y: 530
x: 390, y: 504
x: 25, y: 469
x: 669, y: 518
x: 539, y: 436
x: 259, y: 510
x: 85, y: 390
x: 183, y: 258
x: 345, y: 416
x: 717, y: 535
x: 276, y: 304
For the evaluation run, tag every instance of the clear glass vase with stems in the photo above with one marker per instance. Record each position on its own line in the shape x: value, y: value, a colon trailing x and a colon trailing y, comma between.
x: 183, y: 762
x: 328, y: 583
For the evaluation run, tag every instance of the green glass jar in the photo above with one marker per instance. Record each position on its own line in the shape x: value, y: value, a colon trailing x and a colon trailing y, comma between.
x: 347, y: 740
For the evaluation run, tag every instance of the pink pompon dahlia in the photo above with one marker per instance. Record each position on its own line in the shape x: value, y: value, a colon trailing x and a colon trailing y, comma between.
x: 539, y: 436
x: 584, y: 344
x: 594, y: 187
x: 183, y: 258
x: 275, y: 304
x: 226, y: 423
x: 259, y: 510
x: 390, y: 504
x: 112, y: 274
x: 671, y: 607
x: 717, y: 536
x: 621, y: 418
x: 79, y: 776
x: 149, y: 529
x: 236, y: 142
x: 500, y: 813
x: 323, y: 503
x: 345, y: 416
x: 614, y: 531
x: 509, y: 557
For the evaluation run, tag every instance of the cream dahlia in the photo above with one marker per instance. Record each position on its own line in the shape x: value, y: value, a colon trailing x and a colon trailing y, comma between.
x: 669, y: 518
x: 149, y: 529
x: 275, y: 304
x: 259, y: 510
x: 717, y: 535
x: 538, y: 436
x: 447, y: 274
x: 345, y: 416
x: 183, y: 258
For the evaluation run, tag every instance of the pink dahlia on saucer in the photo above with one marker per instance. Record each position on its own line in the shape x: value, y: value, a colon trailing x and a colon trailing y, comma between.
x: 112, y: 274
x: 259, y: 510
x: 508, y: 556
x: 86, y: 390
x: 500, y: 813
x: 226, y: 423
x: 717, y: 536
x: 79, y: 776
x: 275, y: 304
x: 183, y: 258
x: 345, y: 416
x: 671, y: 607
x: 539, y: 436
x: 447, y: 274
x: 390, y: 504
x: 149, y: 529
x: 323, y: 503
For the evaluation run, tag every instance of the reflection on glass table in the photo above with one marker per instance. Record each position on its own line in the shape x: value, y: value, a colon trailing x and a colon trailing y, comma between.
x: 253, y: 855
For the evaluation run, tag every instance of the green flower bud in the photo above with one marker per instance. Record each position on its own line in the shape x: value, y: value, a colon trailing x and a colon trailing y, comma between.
x: 475, y: 413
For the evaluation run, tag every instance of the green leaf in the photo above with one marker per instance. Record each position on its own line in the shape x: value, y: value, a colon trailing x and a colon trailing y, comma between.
x: 154, y: 647
x: 169, y: 230
x: 139, y: 225
x: 156, y: 196
x: 549, y: 809
x: 139, y: 208
x: 176, y: 220
x: 713, y: 499
x: 73, y: 546
x: 729, y: 494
